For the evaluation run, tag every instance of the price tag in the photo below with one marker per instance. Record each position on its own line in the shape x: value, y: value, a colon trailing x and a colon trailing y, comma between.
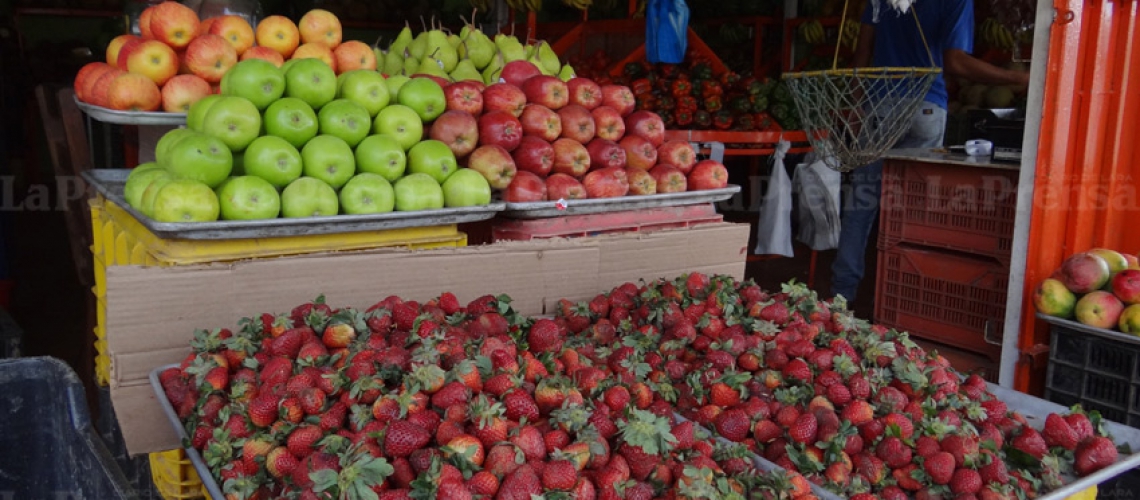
x: 560, y: 204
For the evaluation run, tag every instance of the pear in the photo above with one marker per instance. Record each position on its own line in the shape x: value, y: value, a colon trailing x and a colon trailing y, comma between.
x: 510, y: 47
x: 439, y: 48
x: 380, y: 54
x: 418, y: 47
x: 567, y: 73
x: 466, y: 30
x: 400, y: 44
x: 533, y: 59
x: 492, y: 71
x: 478, y: 48
x: 529, y: 51
x: 547, y: 57
x: 465, y: 70
x: 411, y: 66
x: 454, y: 40
x: 393, y: 63
x: 434, y: 67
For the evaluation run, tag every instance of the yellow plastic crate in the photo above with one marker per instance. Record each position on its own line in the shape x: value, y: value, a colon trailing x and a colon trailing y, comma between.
x: 174, y: 476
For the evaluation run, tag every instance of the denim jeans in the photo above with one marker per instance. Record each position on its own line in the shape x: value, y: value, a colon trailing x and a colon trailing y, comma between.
x: 861, y: 209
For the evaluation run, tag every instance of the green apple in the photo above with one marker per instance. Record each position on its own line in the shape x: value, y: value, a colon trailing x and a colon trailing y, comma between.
x: 395, y: 83
x: 248, y: 197
x: 329, y: 159
x: 366, y: 88
x: 255, y: 79
x: 273, y: 159
x: 434, y: 158
x: 138, y: 181
x: 288, y: 64
x: 424, y: 96
x: 466, y: 188
x: 203, y: 158
x: 312, y: 81
x: 291, y: 119
x: 345, y: 119
x: 146, y: 202
x: 198, y: 111
x: 418, y: 192
x: 381, y: 154
x: 367, y: 194
x: 143, y: 167
x: 162, y: 148
x: 234, y: 120
x: 185, y: 200
x: 308, y: 197
x: 401, y: 123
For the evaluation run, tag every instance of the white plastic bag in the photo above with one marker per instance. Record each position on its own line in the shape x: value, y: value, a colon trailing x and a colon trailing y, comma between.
x: 817, y: 188
x: 774, y: 230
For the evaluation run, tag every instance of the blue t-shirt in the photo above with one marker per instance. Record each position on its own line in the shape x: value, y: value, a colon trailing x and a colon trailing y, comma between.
x: 947, y: 24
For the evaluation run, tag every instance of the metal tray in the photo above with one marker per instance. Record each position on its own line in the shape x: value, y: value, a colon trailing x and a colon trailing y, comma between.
x: 549, y: 209
x: 204, y: 474
x: 131, y: 117
x: 109, y: 183
x: 1091, y: 330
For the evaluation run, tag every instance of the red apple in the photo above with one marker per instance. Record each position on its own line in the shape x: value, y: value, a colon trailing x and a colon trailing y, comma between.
x: 173, y: 24
x: 495, y: 163
x: 125, y: 51
x: 606, y: 183
x: 534, y: 155
x: 457, y: 129
x: 639, y: 152
x: 517, y: 72
x: 540, y: 121
x: 1126, y: 286
x: 209, y: 57
x: 464, y: 96
x: 708, y: 174
x: 564, y: 187
x: 584, y: 92
x: 669, y: 178
x: 608, y: 123
x: 548, y: 91
x: 571, y: 157
x: 618, y: 97
x: 182, y: 91
x: 525, y: 187
x: 500, y: 128
x: 640, y: 182
x: 646, y: 124
x: 680, y: 154
x: 577, y: 123
x: 605, y: 153
x: 504, y: 97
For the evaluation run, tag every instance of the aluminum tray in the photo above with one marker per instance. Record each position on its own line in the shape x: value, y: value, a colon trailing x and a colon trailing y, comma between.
x: 109, y: 183
x: 549, y: 209
x: 131, y: 117
x: 1083, y: 328
x: 204, y: 474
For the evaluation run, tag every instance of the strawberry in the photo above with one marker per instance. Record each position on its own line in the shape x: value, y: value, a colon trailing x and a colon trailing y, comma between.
x: 451, y: 394
x: 291, y: 411
x: 734, y: 425
x: 502, y: 459
x: 723, y: 395
x: 529, y: 439
x: 839, y: 394
x: 312, y: 400
x: 403, y: 437
x: 218, y: 378
x: 333, y: 418
x: 893, y: 452
x: 1080, y: 424
x: 765, y: 431
x: 302, y: 440
x: 544, y: 336
x: 449, y: 303
x: 483, y: 483
x: 520, y: 484
x: 858, y: 413
x: 684, y: 433
x: 1094, y: 454
x: 1057, y: 432
x: 1030, y: 442
x: 616, y: 397
x: 965, y: 482
x: 520, y: 405
x: 238, y: 426
x: 263, y: 410
x: 904, y: 478
x: 797, y: 369
x: 338, y: 335
x: 901, y: 423
x: 925, y: 446
x: 453, y: 490
x: 556, y: 439
x: 963, y: 448
x: 289, y: 343
x: 559, y: 475
x: 940, y: 467
x: 280, y: 463
x: 994, y: 472
x: 804, y: 429
x: 500, y: 383
x: 429, y: 420
x: 870, y: 468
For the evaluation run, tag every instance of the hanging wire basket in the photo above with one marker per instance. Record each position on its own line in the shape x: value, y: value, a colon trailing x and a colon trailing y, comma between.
x: 853, y: 116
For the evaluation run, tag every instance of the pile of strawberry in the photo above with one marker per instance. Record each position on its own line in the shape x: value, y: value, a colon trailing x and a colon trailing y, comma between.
x: 608, y: 399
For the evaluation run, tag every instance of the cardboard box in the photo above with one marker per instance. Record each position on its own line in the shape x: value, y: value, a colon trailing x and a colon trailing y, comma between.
x: 153, y: 311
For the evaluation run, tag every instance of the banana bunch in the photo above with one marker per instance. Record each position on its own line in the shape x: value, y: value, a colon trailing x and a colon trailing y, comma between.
x: 849, y: 34
x: 997, y: 35
x: 579, y: 4
x: 812, y: 32
x: 482, y: 5
x: 525, y: 5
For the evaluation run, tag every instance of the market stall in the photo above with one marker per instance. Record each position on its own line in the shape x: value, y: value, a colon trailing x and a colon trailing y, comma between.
x: 287, y: 303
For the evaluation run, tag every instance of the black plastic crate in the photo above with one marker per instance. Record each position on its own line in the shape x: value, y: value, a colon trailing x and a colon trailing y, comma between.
x: 1099, y: 369
x: 53, y: 451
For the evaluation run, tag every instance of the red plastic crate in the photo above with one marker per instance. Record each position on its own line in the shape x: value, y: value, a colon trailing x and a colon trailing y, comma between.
x: 947, y: 206
x: 571, y: 226
x: 941, y: 296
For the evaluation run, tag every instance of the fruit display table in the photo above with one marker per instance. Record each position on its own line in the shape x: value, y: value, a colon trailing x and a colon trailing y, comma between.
x: 945, y: 236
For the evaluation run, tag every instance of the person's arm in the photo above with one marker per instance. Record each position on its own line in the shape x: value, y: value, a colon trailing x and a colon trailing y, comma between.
x: 864, y: 46
x: 960, y: 64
